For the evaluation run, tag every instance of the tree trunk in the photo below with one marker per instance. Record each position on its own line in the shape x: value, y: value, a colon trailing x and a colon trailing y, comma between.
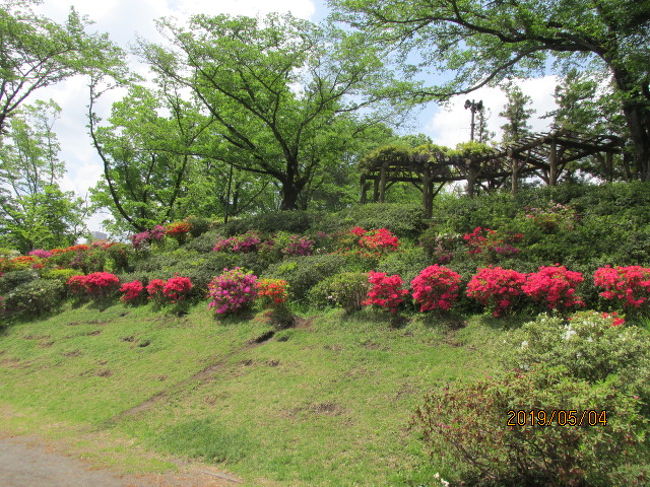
x: 637, y: 118
x: 290, y: 193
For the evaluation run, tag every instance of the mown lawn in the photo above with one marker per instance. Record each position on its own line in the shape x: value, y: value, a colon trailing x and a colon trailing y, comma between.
x: 324, y: 404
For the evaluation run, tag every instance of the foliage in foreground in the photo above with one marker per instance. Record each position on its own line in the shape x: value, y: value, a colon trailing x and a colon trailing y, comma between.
x: 586, y: 365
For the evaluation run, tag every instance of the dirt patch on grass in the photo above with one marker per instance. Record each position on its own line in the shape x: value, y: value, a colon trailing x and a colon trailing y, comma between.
x: 104, y: 373
x: 36, y: 337
x: 303, y: 323
x: 264, y: 337
x: 405, y: 390
x: 46, y: 344
x: 14, y: 363
x: 357, y: 373
x: 203, y: 376
x: 328, y: 408
x: 72, y: 353
x: 93, y: 333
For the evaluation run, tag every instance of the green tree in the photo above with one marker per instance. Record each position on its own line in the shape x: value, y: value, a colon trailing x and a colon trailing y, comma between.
x: 517, y: 113
x: 484, y: 42
x: 284, y: 94
x: 146, y: 150
x: 49, y: 219
x: 36, y: 52
x: 33, y: 210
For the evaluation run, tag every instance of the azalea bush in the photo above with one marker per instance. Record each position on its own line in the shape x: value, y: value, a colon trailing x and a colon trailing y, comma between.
x: 245, y: 243
x: 553, y: 218
x: 274, y: 295
x: 132, y: 292
x: 40, y: 253
x: 23, y: 262
x: 298, y: 245
x: 143, y: 239
x: 272, y: 292
x: 629, y: 286
x: 178, y: 231
x: 62, y: 275
x: 376, y: 241
x: 467, y: 424
x: 386, y: 292
x: 233, y: 291
x: 122, y: 257
x: 98, y: 285
x: 492, y: 244
x: 554, y: 287
x: 591, y: 345
x: 35, y: 298
x: 436, y: 288
x: 439, y: 247
x: 155, y: 291
x: 177, y: 289
x: 11, y: 280
x: 497, y: 289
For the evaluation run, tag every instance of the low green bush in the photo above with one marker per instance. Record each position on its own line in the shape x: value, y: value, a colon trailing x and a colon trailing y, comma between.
x: 302, y: 273
x: 61, y: 275
x: 587, y: 363
x: 469, y: 425
x: 295, y: 221
x: 204, y: 242
x: 588, y: 346
x: 35, y: 297
x: 407, y: 262
x: 404, y: 220
x: 347, y: 289
x: 11, y: 280
x: 199, y: 225
x: 122, y: 257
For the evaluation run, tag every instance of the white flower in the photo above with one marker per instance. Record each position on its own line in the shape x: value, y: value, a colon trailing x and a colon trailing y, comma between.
x: 524, y: 344
x: 568, y: 333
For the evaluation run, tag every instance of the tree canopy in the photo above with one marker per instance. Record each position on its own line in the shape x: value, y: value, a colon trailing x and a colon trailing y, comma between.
x: 36, y: 52
x: 33, y: 209
x: 483, y: 42
x: 286, y: 97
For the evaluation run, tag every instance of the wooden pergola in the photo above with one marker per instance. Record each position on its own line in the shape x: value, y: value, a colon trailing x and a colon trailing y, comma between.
x: 544, y: 155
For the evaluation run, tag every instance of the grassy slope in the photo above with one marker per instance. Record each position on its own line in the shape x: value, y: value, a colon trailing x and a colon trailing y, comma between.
x: 322, y: 405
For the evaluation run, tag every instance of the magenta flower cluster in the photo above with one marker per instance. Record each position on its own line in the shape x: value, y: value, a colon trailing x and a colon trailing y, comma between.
x: 156, y: 234
x: 232, y: 291
x: 248, y: 242
x: 299, y: 246
x: 40, y: 253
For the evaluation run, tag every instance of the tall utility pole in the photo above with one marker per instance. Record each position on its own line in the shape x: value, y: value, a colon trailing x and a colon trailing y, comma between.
x: 474, y: 106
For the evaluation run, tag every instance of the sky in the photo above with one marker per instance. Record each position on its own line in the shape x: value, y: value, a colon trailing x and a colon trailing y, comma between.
x: 127, y: 20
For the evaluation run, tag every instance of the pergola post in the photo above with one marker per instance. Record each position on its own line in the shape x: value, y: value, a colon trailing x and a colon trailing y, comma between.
x: 514, y: 166
x: 427, y: 195
x: 552, y: 164
x: 472, y: 175
x: 382, y: 184
x: 364, y: 190
x: 375, y: 189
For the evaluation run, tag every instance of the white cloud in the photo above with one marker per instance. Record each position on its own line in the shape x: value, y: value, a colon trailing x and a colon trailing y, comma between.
x: 451, y: 124
x: 300, y: 8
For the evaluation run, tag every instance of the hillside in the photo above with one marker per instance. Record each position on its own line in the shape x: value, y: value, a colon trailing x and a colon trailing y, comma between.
x: 368, y: 347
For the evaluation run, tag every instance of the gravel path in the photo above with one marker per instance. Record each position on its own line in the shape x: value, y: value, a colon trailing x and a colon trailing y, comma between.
x: 24, y: 463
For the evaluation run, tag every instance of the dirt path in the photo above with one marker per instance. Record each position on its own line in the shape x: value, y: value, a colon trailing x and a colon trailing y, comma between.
x: 25, y: 463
